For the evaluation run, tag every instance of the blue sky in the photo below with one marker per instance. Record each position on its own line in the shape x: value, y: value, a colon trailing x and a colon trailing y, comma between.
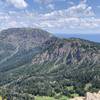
x: 56, y: 16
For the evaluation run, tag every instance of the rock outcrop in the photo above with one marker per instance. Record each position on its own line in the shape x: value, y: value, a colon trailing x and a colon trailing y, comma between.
x: 89, y: 96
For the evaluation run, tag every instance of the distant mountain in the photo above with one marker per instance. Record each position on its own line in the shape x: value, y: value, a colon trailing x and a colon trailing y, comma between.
x: 18, y: 45
x: 92, y: 37
x: 37, y: 63
x: 24, y: 37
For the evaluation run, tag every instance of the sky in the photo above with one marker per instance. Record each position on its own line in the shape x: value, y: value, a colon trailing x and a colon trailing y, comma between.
x: 55, y: 16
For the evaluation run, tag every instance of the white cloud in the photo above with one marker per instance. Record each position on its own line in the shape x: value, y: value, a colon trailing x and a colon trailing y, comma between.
x: 51, y: 6
x: 18, y: 3
x: 43, y: 1
x: 80, y: 10
x: 70, y: 3
x: 83, y: 1
x: 48, y: 1
x: 78, y: 17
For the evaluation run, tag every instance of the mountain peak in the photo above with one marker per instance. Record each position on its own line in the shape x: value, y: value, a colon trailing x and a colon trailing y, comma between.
x: 25, y: 37
x: 26, y: 30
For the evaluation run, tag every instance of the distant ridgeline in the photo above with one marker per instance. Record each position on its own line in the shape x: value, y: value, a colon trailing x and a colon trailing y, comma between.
x: 34, y: 63
x: 92, y: 37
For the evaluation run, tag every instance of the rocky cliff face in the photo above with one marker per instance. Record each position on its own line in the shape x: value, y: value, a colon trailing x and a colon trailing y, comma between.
x: 68, y: 52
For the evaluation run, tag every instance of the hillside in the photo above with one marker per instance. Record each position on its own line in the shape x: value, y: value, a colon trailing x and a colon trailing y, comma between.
x: 36, y: 63
x: 18, y: 44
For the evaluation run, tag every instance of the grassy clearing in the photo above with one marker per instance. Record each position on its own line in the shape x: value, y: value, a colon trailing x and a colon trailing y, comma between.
x: 44, y: 98
x: 50, y: 98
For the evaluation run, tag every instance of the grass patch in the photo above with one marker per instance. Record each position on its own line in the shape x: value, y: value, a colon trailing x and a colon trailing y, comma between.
x: 50, y: 98
x: 44, y: 98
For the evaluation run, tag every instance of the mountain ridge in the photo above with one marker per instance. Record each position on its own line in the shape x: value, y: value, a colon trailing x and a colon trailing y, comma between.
x: 46, y: 65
